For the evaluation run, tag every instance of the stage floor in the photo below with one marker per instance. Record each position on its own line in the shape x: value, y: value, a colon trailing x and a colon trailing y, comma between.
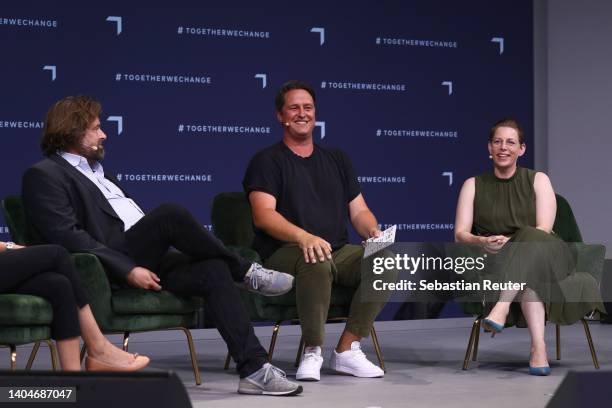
x: 423, y: 359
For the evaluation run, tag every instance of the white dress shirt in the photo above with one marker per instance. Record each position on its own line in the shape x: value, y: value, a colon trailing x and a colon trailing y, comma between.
x: 126, y: 208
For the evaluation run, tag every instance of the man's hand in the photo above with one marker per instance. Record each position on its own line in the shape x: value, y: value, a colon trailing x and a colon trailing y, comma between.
x: 314, y: 248
x: 3, y: 246
x: 494, y: 243
x: 373, y: 233
x: 143, y: 278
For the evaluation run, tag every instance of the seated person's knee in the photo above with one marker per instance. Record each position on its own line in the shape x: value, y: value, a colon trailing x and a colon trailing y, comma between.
x: 57, y: 284
x: 320, y: 269
x: 174, y: 211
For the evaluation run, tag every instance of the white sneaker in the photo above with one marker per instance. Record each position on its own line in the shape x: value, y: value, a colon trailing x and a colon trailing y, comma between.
x: 354, y: 362
x: 310, y: 366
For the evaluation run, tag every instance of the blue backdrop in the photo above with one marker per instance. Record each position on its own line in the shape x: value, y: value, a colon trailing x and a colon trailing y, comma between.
x: 408, y: 89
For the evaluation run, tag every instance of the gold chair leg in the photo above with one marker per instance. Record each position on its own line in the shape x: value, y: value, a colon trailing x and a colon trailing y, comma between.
x: 476, y: 339
x: 83, y: 351
x: 33, y: 355
x: 587, y: 331
x: 558, y: 335
x: 228, y: 359
x: 273, y: 341
x: 192, y: 352
x: 53, y: 352
x: 13, y: 357
x: 126, y: 339
x: 300, y: 351
x: 468, y: 352
x: 381, y: 360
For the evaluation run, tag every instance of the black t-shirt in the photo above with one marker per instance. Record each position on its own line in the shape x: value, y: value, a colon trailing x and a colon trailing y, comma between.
x: 312, y: 193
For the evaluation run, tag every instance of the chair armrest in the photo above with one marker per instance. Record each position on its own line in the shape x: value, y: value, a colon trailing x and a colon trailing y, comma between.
x: 96, y: 285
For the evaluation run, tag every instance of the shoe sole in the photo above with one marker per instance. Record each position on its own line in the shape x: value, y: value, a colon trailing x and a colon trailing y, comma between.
x: 492, y: 326
x: 297, y: 391
x: 308, y: 378
x: 342, y: 370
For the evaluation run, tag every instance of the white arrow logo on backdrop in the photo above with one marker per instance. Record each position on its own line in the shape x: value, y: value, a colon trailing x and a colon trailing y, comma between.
x: 53, y: 70
x: 264, y: 79
x: 119, y: 120
x: 322, y: 126
x: 321, y: 32
x: 500, y: 41
x: 450, y: 86
x: 448, y: 174
x: 118, y: 20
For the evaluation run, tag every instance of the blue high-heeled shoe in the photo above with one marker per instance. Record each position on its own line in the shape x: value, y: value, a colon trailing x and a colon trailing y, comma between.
x: 542, y: 371
x: 496, y: 327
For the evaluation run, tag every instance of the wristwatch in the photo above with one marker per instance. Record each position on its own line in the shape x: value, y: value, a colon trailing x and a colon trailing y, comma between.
x: 10, y: 245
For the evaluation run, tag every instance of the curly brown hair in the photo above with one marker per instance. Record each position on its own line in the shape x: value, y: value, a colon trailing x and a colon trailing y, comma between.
x: 67, y: 121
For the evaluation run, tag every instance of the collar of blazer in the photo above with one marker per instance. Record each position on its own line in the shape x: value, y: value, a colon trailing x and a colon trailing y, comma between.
x: 89, y: 185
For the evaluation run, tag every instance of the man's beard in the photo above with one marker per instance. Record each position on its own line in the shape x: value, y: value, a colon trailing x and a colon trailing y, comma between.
x: 99, y: 154
x: 93, y: 154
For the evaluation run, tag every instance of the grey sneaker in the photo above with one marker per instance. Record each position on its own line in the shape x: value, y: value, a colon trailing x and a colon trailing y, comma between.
x: 268, y: 380
x: 266, y: 281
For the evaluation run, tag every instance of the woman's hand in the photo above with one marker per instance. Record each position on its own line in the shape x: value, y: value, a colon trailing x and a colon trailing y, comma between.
x: 494, y: 243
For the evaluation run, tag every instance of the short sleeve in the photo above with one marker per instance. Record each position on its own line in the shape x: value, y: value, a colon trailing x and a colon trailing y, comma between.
x: 263, y: 174
x: 353, y: 188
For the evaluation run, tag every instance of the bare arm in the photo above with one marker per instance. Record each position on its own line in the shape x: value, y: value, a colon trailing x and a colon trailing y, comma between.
x: 362, y: 218
x: 546, y: 203
x: 464, y: 220
x: 464, y: 216
x: 265, y: 217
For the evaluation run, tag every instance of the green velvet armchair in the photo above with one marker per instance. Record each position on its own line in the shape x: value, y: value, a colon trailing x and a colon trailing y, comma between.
x: 232, y: 224
x: 122, y: 311
x: 590, y: 259
x: 24, y: 319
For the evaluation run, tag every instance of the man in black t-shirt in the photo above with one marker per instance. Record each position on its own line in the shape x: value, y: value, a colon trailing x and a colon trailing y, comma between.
x: 301, y: 194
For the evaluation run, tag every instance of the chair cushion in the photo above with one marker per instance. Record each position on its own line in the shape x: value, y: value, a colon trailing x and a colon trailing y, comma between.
x: 139, y: 301
x: 276, y: 313
x: 147, y: 322
x: 24, y: 310
x: 23, y: 334
x: 340, y: 296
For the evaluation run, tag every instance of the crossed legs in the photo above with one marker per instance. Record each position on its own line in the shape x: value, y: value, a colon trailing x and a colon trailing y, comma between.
x: 47, y: 271
x: 535, y: 315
